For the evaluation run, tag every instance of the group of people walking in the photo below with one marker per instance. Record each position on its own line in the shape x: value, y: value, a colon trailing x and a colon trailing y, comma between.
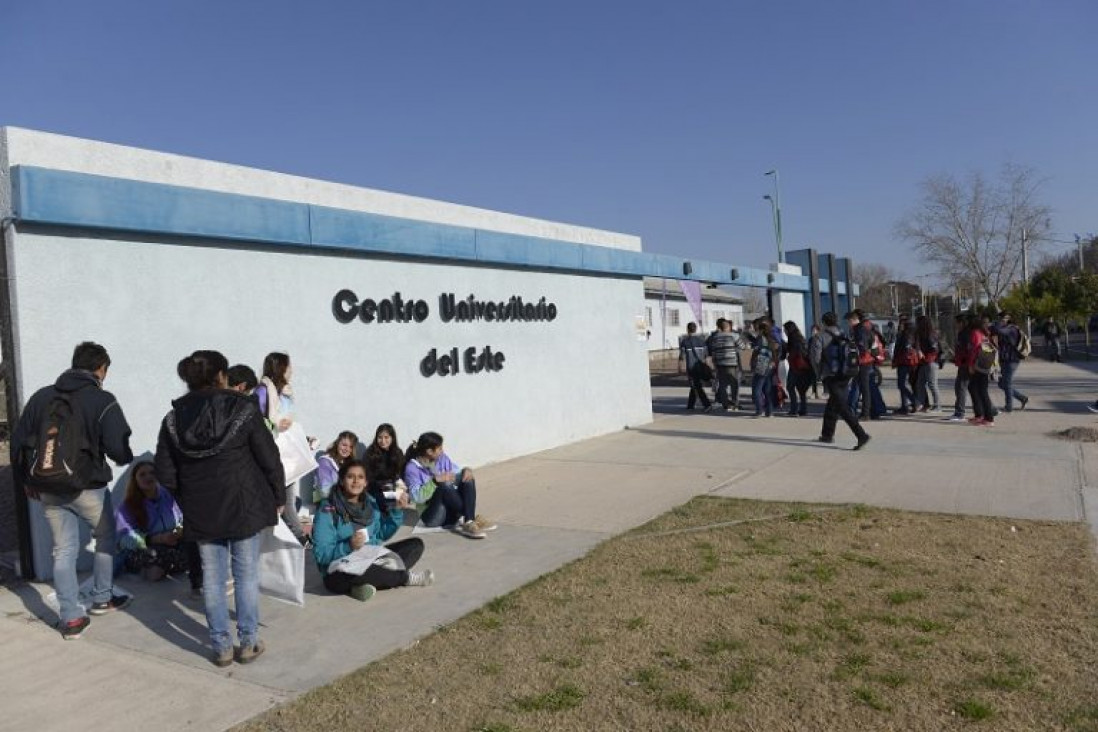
x: 215, y: 485
x: 848, y: 365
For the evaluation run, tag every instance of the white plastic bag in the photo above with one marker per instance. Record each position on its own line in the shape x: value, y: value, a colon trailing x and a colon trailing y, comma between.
x: 282, y: 565
x: 297, y: 456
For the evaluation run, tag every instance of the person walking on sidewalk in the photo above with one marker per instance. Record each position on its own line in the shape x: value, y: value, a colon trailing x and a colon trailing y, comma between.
x: 905, y: 359
x: 827, y: 357
x: 692, y: 353
x: 724, y: 347
x: 82, y: 423
x: 980, y: 361
x: 800, y: 370
x: 926, y: 377
x: 960, y: 359
x: 1008, y: 338
x: 1053, y: 340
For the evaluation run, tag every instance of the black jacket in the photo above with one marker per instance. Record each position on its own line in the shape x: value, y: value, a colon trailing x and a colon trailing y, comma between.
x: 104, y: 424
x: 218, y: 458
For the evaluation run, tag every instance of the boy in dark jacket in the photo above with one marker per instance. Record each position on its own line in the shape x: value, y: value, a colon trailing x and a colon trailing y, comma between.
x: 828, y: 365
x: 108, y: 435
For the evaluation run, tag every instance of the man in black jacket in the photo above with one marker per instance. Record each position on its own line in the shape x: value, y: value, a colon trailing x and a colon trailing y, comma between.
x: 108, y: 435
x: 827, y: 361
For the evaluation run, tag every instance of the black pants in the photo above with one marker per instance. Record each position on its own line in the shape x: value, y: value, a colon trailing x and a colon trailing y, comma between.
x: 981, y: 399
x: 409, y: 551
x: 838, y: 407
x: 799, y: 381
x: 449, y: 503
x: 697, y: 389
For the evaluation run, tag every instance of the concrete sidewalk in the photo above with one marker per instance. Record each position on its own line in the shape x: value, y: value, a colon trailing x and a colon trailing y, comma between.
x: 148, y: 665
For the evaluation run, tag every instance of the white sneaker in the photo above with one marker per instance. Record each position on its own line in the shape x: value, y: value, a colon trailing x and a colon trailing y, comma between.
x: 426, y: 578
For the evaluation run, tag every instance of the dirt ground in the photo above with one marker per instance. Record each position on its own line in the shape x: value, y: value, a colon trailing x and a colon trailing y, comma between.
x: 770, y: 617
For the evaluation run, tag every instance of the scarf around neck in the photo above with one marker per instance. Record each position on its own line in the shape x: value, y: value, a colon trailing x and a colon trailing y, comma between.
x: 360, y: 514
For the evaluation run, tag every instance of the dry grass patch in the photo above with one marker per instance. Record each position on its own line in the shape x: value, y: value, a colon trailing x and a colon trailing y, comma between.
x: 820, y: 619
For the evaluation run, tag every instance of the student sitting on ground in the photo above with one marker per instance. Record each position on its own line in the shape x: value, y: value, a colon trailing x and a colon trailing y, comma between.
x: 385, y: 466
x: 330, y: 461
x: 347, y: 540
x: 150, y: 530
x: 442, y: 491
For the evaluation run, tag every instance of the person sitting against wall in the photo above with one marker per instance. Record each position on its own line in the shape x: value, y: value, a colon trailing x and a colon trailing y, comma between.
x: 348, y: 536
x: 445, y: 494
x: 330, y: 461
x: 276, y: 404
x: 150, y: 530
x: 385, y: 466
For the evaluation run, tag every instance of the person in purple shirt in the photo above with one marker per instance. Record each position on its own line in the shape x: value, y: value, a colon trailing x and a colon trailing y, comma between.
x: 149, y: 528
x: 445, y: 494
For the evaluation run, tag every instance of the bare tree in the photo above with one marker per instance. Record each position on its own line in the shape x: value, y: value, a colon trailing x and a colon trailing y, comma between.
x: 754, y: 301
x: 873, y: 282
x: 972, y: 230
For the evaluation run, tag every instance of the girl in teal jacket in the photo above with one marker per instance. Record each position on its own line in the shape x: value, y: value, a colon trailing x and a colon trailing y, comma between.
x: 347, y: 541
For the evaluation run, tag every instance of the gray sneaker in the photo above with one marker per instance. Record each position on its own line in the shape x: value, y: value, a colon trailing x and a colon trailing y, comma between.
x: 424, y: 578
x: 247, y: 654
x: 362, y: 593
x: 471, y: 530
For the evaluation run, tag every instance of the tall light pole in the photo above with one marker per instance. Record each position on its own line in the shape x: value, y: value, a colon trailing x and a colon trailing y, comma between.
x: 777, y: 202
x: 774, y: 221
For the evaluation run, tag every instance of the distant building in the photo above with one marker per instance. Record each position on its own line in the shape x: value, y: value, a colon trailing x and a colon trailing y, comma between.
x: 667, y: 312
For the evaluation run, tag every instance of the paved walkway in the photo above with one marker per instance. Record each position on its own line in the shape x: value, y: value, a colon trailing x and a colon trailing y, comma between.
x: 552, y: 507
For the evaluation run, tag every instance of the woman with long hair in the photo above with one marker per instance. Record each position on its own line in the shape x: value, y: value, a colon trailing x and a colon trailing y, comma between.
x: 979, y: 378
x: 800, y: 370
x: 445, y: 494
x: 926, y: 377
x: 276, y: 403
x: 150, y: 530
x: 384, y: 462
x: 348, y: 536
x: 330, y: 461
x: 220, y: 460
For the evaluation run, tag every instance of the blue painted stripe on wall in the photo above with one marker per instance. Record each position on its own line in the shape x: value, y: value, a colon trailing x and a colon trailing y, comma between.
x: 353, y: 230
x: 79, y: 199
x: 65, y: 198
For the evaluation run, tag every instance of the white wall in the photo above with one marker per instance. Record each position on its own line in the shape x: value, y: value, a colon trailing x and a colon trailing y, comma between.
x: 668, y: 337
x: 151, y: 303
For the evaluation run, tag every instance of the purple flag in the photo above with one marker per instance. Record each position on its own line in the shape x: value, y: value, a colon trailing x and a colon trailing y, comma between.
x: 693, y: 292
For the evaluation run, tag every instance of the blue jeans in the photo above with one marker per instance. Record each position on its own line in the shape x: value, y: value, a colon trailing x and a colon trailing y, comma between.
x: 64, y: 513
x: 907, y: 399
x: 762, y: 388
x: 1006, y: 383
x: 450, y: 502
x: 215, y: 570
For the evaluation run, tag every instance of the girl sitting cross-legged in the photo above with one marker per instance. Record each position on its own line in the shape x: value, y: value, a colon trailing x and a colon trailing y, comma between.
x: 347, y: 536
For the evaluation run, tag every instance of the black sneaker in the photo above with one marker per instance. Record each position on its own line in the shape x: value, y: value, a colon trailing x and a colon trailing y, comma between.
x: 862, y: 442
x: 825, y: 440
x: 117, y: 602
x: 74, y: 628
x: 1093, y: 407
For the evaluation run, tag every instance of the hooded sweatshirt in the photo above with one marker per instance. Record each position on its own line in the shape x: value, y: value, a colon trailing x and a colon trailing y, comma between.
x: 104, y: 424
x: 218, y: 458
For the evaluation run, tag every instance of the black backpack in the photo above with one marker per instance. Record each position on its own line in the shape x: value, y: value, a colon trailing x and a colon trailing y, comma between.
x: 841, y: 357
x: 59, y: 459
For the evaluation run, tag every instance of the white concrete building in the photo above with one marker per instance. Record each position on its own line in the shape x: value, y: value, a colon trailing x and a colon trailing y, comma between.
x: 667, y: 311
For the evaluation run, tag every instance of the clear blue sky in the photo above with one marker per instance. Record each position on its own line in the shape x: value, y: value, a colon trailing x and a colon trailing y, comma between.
x: 653, y: 118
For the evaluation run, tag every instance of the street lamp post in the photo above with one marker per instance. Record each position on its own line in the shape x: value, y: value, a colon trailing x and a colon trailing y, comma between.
x: 774, y: 221
x: 776, y: 201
